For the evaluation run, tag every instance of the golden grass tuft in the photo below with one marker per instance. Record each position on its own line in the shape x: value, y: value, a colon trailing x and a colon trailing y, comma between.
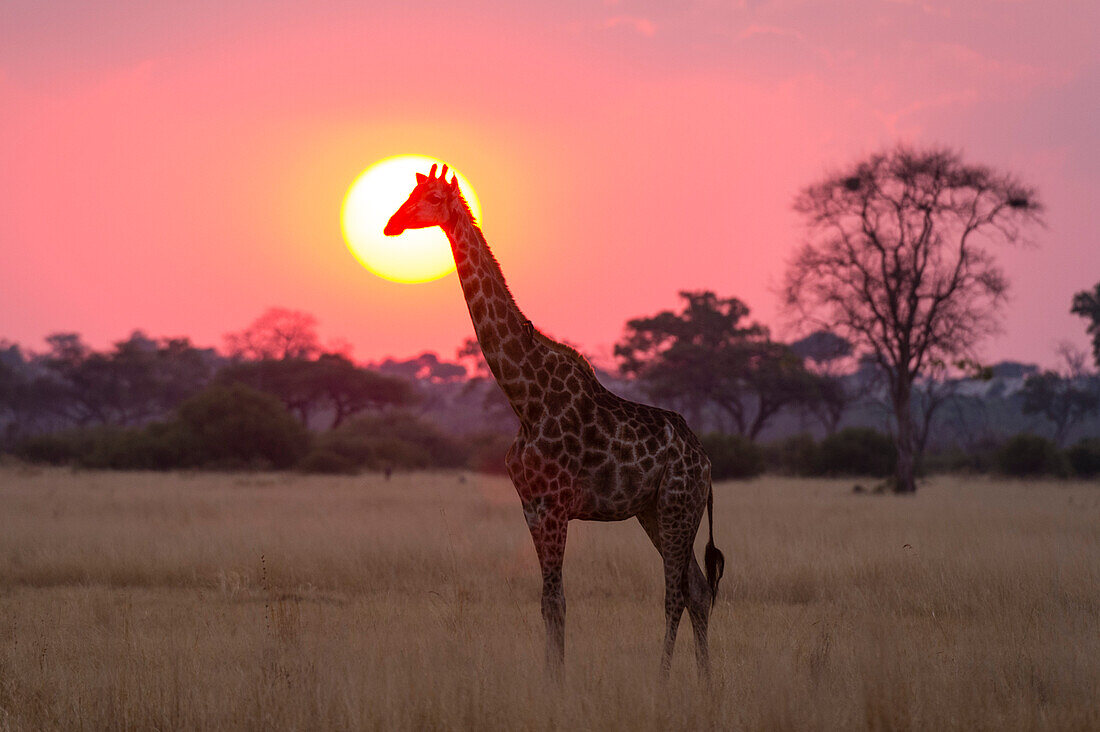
x: 281, y: 601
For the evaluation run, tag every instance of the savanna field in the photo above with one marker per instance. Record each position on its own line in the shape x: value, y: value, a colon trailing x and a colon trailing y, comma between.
x: 278, y: 601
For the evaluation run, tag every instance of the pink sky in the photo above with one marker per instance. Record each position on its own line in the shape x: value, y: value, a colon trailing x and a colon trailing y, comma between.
x: 179, y: 168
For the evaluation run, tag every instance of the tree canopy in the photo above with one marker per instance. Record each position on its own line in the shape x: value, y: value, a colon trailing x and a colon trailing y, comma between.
x: 330, y: 382
x: 1087, y: 304
x: 707, y: 354
x: 278, y: 333
x: 898, y: 260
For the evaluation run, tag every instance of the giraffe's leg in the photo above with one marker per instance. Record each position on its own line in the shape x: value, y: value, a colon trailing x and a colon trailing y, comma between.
x: 676, y: 547
x: 699, y: 605
x: 548, y: 530
x: 549, y: 524
x: 648, y: 519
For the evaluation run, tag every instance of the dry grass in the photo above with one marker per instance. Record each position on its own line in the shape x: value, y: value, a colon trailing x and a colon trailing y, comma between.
x: 267, y: 601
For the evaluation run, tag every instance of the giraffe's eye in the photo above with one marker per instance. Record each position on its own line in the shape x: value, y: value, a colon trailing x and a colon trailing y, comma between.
x: 434, y: 198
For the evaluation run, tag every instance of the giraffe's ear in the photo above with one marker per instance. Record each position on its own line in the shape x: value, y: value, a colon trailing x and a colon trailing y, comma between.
x: 454, y: 182
x: 420, y: 178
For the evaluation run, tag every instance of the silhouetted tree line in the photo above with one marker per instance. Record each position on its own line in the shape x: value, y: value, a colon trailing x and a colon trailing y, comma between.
x: 283, y: 401
x: 141, y: 379
x: 706, y: 361
x: 892, y: 289
x: 897, y: 267
x: 276, y: 398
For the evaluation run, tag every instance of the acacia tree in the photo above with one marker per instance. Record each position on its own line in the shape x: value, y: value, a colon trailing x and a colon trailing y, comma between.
x: 706, y: 355
x: 140, y: 378
x: 1087, y: 304
x: 898, y: 260
x: 826, y: 356
x: 278, y: 333
x: 330, y: 382
x: 1065, y: 399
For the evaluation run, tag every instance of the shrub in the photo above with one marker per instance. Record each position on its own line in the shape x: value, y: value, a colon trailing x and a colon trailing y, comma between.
x: 1026, y: 455
x: 222, y: 427
x: 732, y: 456
x: 238, y: 427
x: 158, y: 446
x: 795, y: 455
x: 56, y: 448
x: 979, y: 457
x: 1084, y: 457
x: 858, y: 451
x: 129, y: 449
x: 395, y: 439
x: 322, y: 460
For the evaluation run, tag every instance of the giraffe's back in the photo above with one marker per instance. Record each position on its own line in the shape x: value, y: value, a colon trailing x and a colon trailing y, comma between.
x: 612, y: 454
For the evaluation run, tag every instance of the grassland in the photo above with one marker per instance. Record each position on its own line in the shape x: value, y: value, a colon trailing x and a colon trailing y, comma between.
x: 141, y: 601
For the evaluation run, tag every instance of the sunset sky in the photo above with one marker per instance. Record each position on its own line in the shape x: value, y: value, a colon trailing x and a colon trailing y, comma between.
x: 179, y: 167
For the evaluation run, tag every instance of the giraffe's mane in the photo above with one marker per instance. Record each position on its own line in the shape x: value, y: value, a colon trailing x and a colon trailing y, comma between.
x: 568, y: 351
x: 466, y: 207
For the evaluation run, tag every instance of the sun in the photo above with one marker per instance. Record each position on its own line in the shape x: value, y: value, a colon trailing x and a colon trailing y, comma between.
x: 418, y: 255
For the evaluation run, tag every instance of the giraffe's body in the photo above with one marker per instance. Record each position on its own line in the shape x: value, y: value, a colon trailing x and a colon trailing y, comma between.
x: 582, y: 452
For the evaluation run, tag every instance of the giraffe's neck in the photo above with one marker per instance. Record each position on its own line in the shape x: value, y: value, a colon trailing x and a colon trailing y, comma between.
x: 507, y: 337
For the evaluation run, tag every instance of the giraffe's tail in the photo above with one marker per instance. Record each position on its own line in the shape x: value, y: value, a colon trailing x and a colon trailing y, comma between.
x: 714, y: 560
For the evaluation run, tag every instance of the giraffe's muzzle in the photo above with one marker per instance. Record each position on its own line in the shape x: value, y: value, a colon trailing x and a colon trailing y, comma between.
x: 393, y: 226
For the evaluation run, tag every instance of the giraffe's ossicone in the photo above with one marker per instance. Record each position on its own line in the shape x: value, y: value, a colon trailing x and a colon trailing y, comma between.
x: 581, y: 452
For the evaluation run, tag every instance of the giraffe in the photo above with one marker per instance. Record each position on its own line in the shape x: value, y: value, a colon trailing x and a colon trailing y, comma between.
x: 581, y: 452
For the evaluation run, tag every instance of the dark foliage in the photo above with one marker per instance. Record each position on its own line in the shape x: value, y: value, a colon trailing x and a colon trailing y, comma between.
x: 1087, y: 304
x: 1084, y: 457
x: 331, y: 381
x: 732, y: 456
x: 897, y: 260
x: 277, y: 334
x: 1064, y: 401
x: 427, y: 366
x: 238, y: 427
x: 324, y: 460
x: 858, y: 451
x: 707, y: 354
x: 139, y: 379
x: 65, y: 447
x: 1026, y: 455
x: 221, y: 428
x: 795, y: 455
x: 393, y: 440
x: 978, y: 457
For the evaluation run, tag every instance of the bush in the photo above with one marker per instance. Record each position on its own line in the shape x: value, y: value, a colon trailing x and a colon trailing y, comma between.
x: 322, y: 460
x: 732, y: 456
x: 57, y: 448
x: 1084, y: 457
x: 157, y: 446
x: 148, y: 448
x: 794, y: 455
x: 980, y: 457
x: 222, y: 427
x: 858, y: 451
x: 1028, y: 455
x: 395, y: 439
x: 238, y: 427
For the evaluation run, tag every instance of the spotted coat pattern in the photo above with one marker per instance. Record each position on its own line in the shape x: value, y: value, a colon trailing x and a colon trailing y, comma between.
x: 581, y: 452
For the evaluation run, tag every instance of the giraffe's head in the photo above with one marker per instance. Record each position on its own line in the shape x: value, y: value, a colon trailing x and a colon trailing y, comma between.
x: 432, y: 203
